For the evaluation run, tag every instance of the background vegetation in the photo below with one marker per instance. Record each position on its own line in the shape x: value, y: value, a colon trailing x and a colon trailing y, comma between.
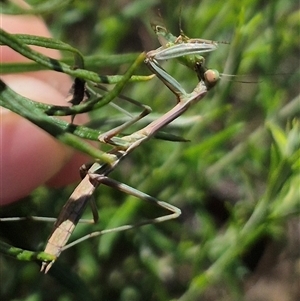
x: 236, y: 181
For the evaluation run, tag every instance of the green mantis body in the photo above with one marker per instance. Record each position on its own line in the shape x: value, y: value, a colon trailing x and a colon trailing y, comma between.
x: 187, y: 51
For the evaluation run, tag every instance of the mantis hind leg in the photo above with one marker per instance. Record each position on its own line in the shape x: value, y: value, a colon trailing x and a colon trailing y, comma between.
x: 174, y: 212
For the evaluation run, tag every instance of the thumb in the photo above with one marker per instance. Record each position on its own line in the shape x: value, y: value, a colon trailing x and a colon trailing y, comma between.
x: 29, y: 156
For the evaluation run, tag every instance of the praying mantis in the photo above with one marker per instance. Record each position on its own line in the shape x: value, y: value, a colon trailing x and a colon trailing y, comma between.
x: 183, y: 48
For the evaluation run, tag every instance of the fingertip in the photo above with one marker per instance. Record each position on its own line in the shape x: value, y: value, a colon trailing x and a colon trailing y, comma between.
x: 33, y: 25
x: 25, y: 24
x: 29, y: 156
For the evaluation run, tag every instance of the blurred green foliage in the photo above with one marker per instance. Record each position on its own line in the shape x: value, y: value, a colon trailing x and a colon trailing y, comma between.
x: 237, y: 180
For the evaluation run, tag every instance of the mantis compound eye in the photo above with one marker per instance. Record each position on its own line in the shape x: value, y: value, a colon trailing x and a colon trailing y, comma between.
x: 211, y: 77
